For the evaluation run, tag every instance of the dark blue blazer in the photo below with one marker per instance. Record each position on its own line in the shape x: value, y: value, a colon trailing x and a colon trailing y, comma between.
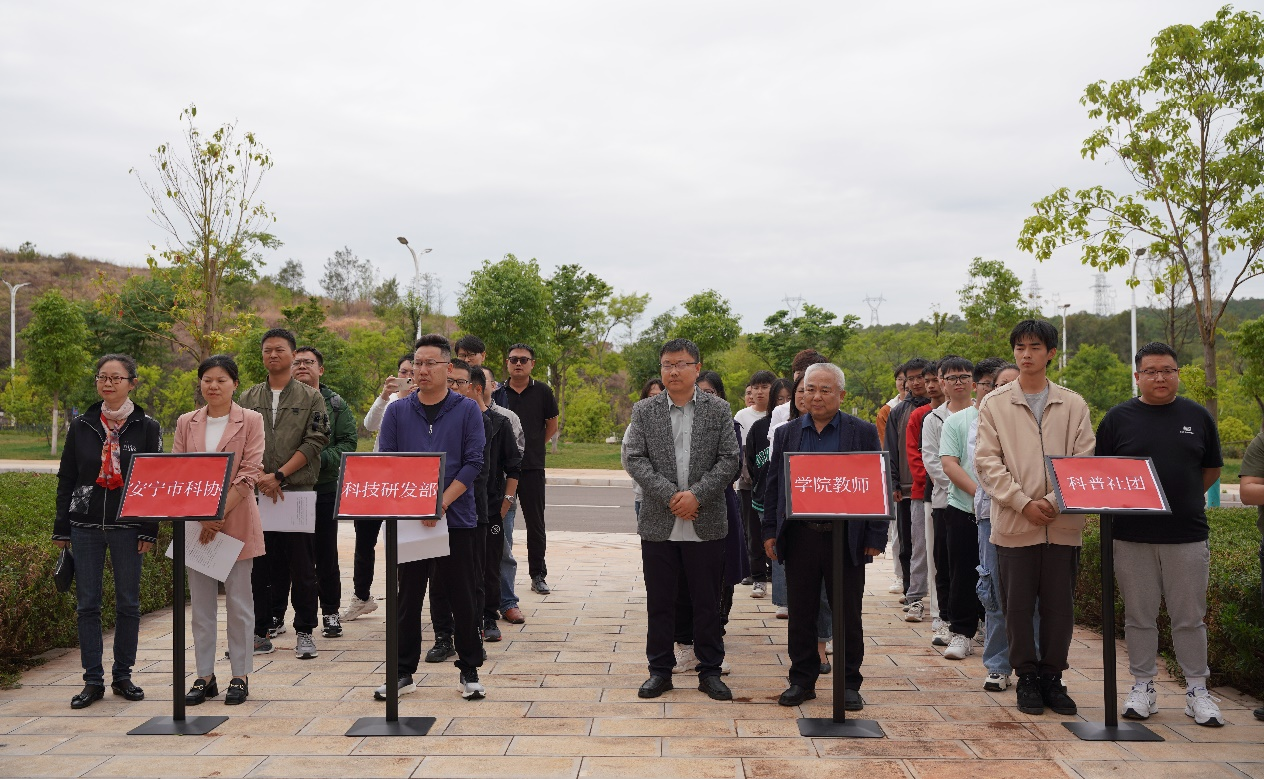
x: 855, y: 435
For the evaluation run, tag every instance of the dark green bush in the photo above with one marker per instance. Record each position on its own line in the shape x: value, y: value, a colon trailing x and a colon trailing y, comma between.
x: 34, y: 617
x: 1234, y: 600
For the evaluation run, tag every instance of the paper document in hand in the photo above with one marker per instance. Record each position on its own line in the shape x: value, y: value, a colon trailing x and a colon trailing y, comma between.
x: 418, y: 542
x: 295, y: 514
x: 214, y: 559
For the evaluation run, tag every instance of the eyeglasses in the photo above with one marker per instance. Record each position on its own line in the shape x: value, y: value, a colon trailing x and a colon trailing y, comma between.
x: 957, y: 378
x: 103, y: 379
x: 1166, y: 373
x: 428, y: 364
x: 458, y: 382
x: 676, y: 366
x: 304, y: 363
x: 518, y: 360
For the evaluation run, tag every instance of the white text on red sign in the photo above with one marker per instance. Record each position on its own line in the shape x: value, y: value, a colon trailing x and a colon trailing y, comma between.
x: 1096, y: 483
x: 832, y: 484
x: 174, y: 489
x: 389, y: 489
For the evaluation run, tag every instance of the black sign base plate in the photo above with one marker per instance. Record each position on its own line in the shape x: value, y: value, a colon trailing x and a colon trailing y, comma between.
x: 404, y: 726
x: 824, y: 727
x: 166, y: 726
x: 1125, y: 731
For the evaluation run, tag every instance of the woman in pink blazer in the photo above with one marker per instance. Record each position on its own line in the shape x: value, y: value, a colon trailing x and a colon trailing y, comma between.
x: 223, y: 426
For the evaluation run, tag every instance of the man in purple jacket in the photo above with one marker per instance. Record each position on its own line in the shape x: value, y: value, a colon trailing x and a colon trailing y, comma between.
x: 435, y: 419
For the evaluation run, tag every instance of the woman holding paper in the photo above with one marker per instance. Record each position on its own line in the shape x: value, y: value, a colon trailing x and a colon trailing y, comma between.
x: 99, y: 447
x: 223, y: 426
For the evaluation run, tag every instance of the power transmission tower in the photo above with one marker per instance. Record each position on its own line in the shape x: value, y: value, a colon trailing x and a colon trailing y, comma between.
x: 1034, y: 294
x: 874, y: 303
x: 793, y: 304
x: 1103, y: 297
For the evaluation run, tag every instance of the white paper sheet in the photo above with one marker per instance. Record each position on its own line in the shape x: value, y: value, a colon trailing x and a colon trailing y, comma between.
x: 214, y: 559
x: 415, y: 541
x: 295, y: 514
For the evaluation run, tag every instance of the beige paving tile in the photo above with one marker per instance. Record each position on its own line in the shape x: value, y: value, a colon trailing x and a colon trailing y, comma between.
x: 543, y: 726
x: 737, y: 747
x: 606, y: 726
x: 247, y: 744
x: 133, y: 745
x: 586, y: 746
x: 433, y: 745
x: 440, y: 767
x: 1050, y: 750
x: 674, y: 767
x: 1114, y: 769
x: 1011, y: 769
x: 822, y: 769
x: 558, y: 709
x: 1170, y: 751
x: 1002, y: 731
x: 141, y: 766
x: 882, y: 747
x: 1255, y: 770
x: 48, y: 765
x: 71, y: 726
x: 287, y: 767
x: 10, y: 724
x: 11, y: 746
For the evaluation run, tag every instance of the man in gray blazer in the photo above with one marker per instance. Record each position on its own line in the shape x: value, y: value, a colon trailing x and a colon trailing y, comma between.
x: 683, y: 453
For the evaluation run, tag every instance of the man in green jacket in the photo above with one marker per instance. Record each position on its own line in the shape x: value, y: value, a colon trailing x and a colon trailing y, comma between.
x: 309, y: 367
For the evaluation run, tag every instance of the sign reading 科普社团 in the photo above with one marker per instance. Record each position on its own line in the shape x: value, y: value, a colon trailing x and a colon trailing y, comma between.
x: 1119, y: 485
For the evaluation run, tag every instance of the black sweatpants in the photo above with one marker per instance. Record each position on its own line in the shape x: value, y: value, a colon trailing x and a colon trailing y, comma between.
x: 457, y: 571
x: 1040, y: 578
x: 493, y: 551
x: 701, y: 564
x: 940, y: 554
x: 962, y: 535
x: 441, y: 615
x: 329, y: 582
x: 367, y: 531
x: 287, y: 566
x: 904, y: 531
x: 809, y: 564
x: 531, y: 501
x: 755, y: 543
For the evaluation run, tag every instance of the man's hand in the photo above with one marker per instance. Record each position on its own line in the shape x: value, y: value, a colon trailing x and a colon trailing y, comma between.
x: 430, y: 522
x: 1040, y: 512
x: 144, y: 546
x: 684, y: 505
x: 897, y: 495
x: 391, y: 387
x: 872, y: 552
x: 506, y: 506
x: 60, y: 544
x: 209, y: 529
x: 770, y: 548
x: 267, y: 484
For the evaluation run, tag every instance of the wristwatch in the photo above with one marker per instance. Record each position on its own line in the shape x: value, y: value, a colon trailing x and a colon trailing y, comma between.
x: 513, y: 499
x: 280, y: 477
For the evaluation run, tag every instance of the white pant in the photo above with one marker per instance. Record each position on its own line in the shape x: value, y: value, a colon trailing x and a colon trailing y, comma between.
x: 239, y: 605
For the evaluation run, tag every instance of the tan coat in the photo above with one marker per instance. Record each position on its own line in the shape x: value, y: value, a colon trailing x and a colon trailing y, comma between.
x: 244, y: 437
x: 1010, y: 461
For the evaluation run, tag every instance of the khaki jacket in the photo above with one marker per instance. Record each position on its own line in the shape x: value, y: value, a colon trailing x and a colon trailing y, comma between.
x: 1010, y: 461
x: 301, y: 426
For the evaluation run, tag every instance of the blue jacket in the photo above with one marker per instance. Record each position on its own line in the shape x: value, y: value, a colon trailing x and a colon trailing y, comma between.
x: 457, y: 432
x: 855, y: 435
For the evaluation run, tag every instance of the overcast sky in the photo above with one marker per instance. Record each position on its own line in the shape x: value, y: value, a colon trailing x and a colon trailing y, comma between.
x: 829, y: 150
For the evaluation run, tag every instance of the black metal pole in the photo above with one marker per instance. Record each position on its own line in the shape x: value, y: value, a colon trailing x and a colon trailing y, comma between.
x: 1108, y: 562
x: 393, y: 630
x: 177, y: 622
x: 836, y: 618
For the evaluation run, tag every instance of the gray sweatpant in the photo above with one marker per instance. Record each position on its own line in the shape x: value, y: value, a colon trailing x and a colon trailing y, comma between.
x: 1179, y: 572
x: 918, y: 558
x: 239, y: 605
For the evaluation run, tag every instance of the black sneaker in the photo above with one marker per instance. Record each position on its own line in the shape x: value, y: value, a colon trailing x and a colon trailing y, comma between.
x: 1054, y: 695
x: 442, y: 650
x: 332, y: 628
x: 539, y: 585
x: 278, y: 628
x: 403, y: 686
x: 491, y: 633
x: 1028, y: 698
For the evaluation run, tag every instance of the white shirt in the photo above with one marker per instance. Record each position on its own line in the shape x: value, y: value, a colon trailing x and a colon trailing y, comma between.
x: 215, y: 427
x: 276, y: 400
x: 781, y: 415
x: 682, y: 419
x: 746, y: 417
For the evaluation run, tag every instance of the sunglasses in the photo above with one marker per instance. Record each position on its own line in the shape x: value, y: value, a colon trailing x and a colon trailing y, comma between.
x: 518, y: 360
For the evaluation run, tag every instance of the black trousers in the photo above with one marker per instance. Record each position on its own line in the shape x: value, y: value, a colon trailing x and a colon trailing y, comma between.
x: 329, y: 582
x: 683, y: 630
x: 367, y: 531
x: 940, y: 554
x: 755, y: 544
x: 531, y: 501
x: 1039, y: 578
x: 904, y: 531
x: 701, y: 564
x: 441, y: 614
x: 493, y: 551
x: 457, y: 571
x: 809, y: 564
x: 963, y: 542
x: 287, y: 566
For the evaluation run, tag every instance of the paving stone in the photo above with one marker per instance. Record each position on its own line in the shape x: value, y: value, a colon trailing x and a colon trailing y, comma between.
x: 48, y: 765
x: 737, y: 747
x: 141, y: 766
x: 288, y: 767
x: 11, y: 746
x: 596, y: 746
x: 1011, y: 769
x: 1114, y: 769
x: 662, y: 768
x: 518, y: 767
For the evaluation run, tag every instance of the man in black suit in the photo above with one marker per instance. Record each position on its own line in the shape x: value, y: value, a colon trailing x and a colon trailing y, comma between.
x: 804, y: 546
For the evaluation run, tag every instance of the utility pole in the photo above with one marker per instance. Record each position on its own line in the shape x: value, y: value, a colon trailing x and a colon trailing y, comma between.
x: 874, y: 303
x: 13, y: 322
x: 417, y: 278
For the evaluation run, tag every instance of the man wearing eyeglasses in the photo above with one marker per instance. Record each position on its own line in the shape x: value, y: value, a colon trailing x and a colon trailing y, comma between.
x: 1165, y: 555
x: 536, y: 407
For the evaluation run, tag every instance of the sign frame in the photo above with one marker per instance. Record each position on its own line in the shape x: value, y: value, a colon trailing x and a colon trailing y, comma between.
x: 1064, y: 508
x: 439, y: 493
x: 883, y: 456
x: 229, y: 459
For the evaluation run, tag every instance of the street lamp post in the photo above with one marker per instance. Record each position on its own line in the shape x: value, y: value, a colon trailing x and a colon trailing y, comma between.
x: 1133, y: 312
x: 1063, y: 354
x: 13, y: 321
x: 417, y: 277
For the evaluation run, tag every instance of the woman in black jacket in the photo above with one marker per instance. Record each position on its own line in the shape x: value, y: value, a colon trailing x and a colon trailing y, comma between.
x: 99, y: 446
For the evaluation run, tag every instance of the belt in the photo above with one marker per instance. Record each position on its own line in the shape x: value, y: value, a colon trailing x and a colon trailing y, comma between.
x: 820, y: 527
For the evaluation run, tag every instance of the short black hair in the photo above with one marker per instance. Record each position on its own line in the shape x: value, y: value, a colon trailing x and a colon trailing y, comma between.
x: 1152, y: 349
x: 1044, y: 332
x: 713, y: 378
x: 470, y: 344
x: 645, y: 388
x: 933, y: 368
x: 459, y: 365
x: 219, y: 361
x: 989, y: 366
x: 280, y: 332
x: 681, y: 345
x: 129, y: 363
x: 955, y: 363
x: 477, y: 377
x: 524, y: 347
x: 320, y: 358
x: 762, y: 377
x: 402, y: 360
x: 917, y: 365
x: 899, y: 370
x: 436, y: 340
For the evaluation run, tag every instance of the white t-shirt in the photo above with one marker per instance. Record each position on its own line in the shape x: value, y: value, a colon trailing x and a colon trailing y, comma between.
x: 746, y: 417
x: 215, y: 427
x: 781, y: 415
x: 276, y: 400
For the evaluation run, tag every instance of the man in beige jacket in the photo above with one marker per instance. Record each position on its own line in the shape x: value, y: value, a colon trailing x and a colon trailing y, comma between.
x: 1037, y: 547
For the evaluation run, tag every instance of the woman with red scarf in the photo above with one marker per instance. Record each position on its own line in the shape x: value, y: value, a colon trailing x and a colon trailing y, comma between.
x: 99, y: 445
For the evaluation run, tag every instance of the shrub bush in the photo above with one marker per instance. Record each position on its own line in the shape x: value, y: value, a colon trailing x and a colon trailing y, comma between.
x: 34, y: 617
x: 1234, y: 600
x: 590, y: 416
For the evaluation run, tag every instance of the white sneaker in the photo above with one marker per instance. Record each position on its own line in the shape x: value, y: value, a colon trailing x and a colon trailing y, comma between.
x: 359, y: 608
x: 686, y: 660
x: 471, y: 688
x: 725, y: 668
x: 903, y: 600
x: 959, y: 647
x: 997, y: 682
x: 942, y: 636
x: 783, y: 613
x: 830, y: 647
x: 304, y: 646
x: 1203, y: 707
x: 1141, y: 702
x: 896, y: 586
x: 915, y: 612
x: 758, y: 589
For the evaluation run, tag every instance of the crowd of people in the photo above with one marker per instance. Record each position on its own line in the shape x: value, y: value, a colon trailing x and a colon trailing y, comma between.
x: 979, y: 545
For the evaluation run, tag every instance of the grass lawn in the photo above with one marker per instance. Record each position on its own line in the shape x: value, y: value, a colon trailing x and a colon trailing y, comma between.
x: 26, y: 446
x: 602, y: 456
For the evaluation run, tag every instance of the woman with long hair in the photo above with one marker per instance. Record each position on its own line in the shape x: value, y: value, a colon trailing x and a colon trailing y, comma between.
x: 648, y: 390
x: 757, y: 452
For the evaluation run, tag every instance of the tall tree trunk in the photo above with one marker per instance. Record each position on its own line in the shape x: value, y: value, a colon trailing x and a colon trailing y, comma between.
x: 53, y: 448
x: 558, y: 378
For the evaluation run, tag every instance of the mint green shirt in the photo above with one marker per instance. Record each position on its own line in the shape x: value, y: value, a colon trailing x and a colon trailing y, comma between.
x: 953, y: 444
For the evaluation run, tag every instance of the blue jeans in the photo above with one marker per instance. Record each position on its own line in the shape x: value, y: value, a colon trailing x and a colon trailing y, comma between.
x: 89, y: 547
x: 509, y: 566
x: 996, y: 647
x: 825, y: 620
x: 779, y: 582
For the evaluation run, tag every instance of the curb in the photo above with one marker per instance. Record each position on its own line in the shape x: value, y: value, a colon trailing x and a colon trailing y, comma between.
x: 588, y: 481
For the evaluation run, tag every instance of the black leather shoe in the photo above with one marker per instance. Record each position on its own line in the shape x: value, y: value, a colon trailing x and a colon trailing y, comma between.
x: 200, y: 691
x: 238, y: 692
x: 654, y: 687
x: 795, y: 695
x: 90, y: 694
x: 715, y: 689
x: 824, y: 668
x: 852, y: 700
x: 128, y: 690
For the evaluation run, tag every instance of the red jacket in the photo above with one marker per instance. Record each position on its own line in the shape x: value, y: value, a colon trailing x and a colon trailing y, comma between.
x: 913, y: 448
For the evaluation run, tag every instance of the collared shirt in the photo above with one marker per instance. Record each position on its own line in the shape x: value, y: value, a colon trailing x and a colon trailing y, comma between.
x: 682, y: 419
x: 825, y: 441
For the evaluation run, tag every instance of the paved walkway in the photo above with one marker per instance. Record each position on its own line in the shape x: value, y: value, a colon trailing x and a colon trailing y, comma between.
x: 562, y: 703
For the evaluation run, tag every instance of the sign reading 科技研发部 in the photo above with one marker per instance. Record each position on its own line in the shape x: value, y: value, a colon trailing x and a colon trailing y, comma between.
x: 1117, y: 485
x: 390, y: 485
x: 837, y: 485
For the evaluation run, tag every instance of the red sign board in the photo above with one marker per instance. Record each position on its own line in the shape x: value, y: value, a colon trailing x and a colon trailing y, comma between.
x: 1120, y: 485
x: 187, y: 486
x: 390, y: 485
x: 851, y: 485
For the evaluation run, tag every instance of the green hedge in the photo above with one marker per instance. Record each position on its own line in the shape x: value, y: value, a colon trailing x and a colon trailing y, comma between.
x: 34, y: 617
x: 1234, y: 600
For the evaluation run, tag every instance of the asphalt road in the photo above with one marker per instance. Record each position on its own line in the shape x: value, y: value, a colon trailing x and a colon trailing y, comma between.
x: 592, y: 509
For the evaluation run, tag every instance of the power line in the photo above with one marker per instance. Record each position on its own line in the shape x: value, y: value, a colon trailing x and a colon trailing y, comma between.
x: 874, y: 303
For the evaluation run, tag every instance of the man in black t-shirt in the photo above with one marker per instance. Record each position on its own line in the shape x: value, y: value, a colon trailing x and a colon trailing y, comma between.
x: 535, y: 405
x: 1165, y: 555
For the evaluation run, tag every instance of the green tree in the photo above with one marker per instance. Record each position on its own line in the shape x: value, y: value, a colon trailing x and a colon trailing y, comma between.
x: 577, y: 299
x: 165, y: 393
x: 709, y: 322
x: 620, y: 311
x: 291, y: 276
x: 56, y: 358
x: 1248, y: 344
x: 130, y: 321
x: 505, y: 303
x: 1188, y: 130
x: 20, y: 400
x: 1100, y: 377
x: 785, y: 336
x: 642, y: 355
x: 992, y: 304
